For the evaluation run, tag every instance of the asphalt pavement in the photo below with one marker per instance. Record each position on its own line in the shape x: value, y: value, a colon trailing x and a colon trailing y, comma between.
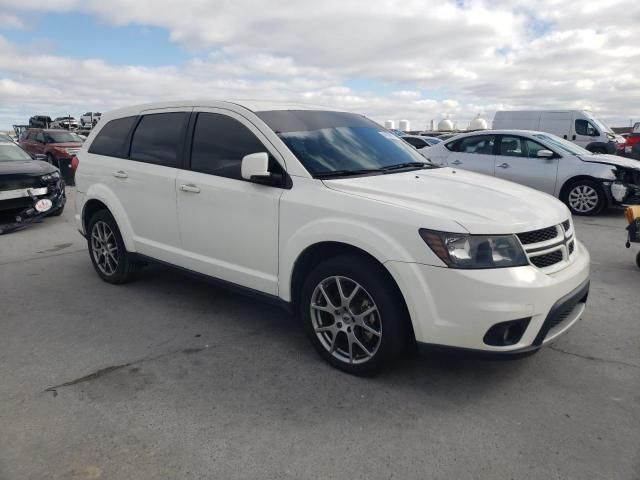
x: 172, y: 378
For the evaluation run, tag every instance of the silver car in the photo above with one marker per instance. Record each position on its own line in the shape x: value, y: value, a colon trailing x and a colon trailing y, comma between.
x: 586, y: 182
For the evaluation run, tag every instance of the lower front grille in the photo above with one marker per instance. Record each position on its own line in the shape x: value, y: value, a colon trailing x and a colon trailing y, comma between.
x: 548, y: 259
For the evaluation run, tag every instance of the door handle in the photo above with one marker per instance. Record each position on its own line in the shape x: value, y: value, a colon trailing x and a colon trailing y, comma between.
x: 191, y: 188
x: 456, y: 162
x: 120, y: 174
x: 503, y: 165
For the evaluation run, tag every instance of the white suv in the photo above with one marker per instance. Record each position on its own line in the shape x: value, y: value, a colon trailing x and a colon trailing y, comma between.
x: 328, y: 213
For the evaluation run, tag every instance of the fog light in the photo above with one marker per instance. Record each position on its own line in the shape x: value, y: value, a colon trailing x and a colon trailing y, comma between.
x: 506, y: 333
x: 619, y: 191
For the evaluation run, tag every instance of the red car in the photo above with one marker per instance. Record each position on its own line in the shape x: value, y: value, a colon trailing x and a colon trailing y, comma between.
x: 632, y: 146
x: 58, y: 145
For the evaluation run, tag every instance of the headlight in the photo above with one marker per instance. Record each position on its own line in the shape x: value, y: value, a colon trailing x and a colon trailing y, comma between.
x: 459, y: 250
x: 50, y: 176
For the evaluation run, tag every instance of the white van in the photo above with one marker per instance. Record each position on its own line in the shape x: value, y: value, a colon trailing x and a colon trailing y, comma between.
x: 577, y: 126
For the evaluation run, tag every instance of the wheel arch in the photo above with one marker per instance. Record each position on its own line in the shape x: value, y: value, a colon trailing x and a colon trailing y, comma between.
x: 564, y: 190
x: 98, y: 197
x: 318, y: 252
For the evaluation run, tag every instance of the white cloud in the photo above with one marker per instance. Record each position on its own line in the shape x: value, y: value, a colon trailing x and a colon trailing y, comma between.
x: 477, y: 57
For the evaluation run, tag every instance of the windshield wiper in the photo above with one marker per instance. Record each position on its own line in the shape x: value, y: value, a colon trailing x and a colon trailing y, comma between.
x: 407, y: 165
x: 346, y: 173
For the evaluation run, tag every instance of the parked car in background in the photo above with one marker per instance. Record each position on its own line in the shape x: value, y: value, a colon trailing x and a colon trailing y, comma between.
x: 58, y: 147
x: 40, y: 121
x: 420, y: 143
x: 577, y: 126
x: 632, y: 143
x: 90, y: 118
x: 333, y: 216
x: 67, y: 123
x: 29, y: 188
x: 586, y: 182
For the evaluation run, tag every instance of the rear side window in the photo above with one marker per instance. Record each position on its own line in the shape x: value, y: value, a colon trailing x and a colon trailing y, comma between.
x: 158, y: 137
x: 220, y: 143
x: 482, y: 145
x: 112, y: 139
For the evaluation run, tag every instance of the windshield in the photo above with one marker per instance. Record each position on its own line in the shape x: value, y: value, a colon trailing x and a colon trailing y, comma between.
x: 563, y: 145
x: 333, y: 142
x: 12, y: 153
x: 63, y: 137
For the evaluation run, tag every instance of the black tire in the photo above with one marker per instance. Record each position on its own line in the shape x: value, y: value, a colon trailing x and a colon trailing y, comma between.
x: 127, y: 268
x: 390, y: 317
x: 586, y: 186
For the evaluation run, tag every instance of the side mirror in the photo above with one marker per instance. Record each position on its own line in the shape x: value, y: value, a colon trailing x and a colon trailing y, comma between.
x: 255, y: 168
x: 545, y: 154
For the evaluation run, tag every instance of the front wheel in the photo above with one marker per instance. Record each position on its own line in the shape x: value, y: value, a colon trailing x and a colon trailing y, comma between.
x: 585, y: 197
x: 353, y: 314
x: 108, y: 254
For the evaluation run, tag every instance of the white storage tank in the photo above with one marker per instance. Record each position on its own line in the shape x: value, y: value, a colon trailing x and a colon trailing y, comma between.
x: 445, y: 125
x: 478, y: 123
x: 405, y: 126
x: 389, y: 124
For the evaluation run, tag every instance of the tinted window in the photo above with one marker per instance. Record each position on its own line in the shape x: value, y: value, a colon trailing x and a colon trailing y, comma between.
x: 481, y: 145
x: 512, y: 147
x: 157, y: 138
x: 40, y: 137
x: 585, y: 128
x: 220, y: 143
x: 533, y: 148
x: 61, y: 137
x: 112, y: 139
x: 416, y: 142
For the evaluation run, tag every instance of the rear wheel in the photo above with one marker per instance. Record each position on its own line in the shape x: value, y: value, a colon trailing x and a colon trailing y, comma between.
x: 353, y: 315
x: 108, y: 254
x: 584, y: 197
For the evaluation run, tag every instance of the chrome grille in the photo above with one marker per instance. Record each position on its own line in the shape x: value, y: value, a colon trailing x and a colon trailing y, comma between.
x: 537, y: 236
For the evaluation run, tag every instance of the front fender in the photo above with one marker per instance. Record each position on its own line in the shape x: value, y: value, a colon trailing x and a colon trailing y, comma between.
x: 361, y: 235
x: 102, y: 193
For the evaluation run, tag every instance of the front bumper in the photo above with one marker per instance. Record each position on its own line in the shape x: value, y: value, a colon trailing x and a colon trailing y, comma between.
x: 456, y: 308
x: 17, y: 208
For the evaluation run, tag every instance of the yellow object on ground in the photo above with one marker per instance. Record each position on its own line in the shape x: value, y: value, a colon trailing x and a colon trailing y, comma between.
x: 632, y: 213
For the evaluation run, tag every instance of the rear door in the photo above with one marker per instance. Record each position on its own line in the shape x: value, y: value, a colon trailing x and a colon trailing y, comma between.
x: 38, y: 143
x: 229, y: 226
x: 518, y: 161
x: 475, y: 153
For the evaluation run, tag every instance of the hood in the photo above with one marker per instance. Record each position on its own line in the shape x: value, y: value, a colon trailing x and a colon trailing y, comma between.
x: 27, y: 168
x: 611, y: 160
x: 479, y: 203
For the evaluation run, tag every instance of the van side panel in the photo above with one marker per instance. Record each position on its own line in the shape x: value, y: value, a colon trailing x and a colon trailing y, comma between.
x: 524, y: 120
x: 557, y: 123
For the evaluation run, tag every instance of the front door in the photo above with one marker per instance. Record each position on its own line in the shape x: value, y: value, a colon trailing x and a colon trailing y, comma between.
x: 518, y: 161
x: 229, y: 226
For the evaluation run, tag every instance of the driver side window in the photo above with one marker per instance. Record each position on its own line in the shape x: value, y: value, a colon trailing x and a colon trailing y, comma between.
x: 583, y: 127
x: 40, y: 137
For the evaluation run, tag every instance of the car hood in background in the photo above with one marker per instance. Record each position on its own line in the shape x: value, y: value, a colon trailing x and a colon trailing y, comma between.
x: 611, y: 160
x: 479, y: 203
x: 26, y: 168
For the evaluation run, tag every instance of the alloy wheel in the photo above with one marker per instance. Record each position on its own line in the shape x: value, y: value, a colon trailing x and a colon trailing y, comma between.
x: 583, y: 198
x: 346, y: 319
x: 104, y: 248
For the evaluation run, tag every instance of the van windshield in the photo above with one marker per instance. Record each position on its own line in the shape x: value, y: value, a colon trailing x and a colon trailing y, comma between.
x: 337, y: 143
x: 600, y: 124
x: 564, y: 146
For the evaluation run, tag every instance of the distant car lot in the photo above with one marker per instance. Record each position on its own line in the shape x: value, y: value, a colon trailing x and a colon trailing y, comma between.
x: 170, y: 377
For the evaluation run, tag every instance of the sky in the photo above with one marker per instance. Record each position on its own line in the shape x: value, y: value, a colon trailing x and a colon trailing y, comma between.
x: 418, y: 60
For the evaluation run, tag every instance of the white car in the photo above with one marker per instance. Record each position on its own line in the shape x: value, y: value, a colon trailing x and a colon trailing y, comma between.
x: 586, y: 182
x: 67, y: 123
x: 331, y: 215
x: 90, y: 119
